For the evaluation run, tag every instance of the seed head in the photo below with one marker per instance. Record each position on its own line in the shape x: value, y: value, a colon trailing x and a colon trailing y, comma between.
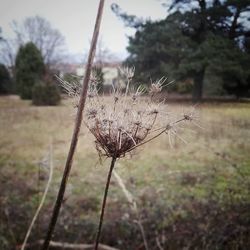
x: 157, y: 86
x: 118, y: 126
x: 127, y: 72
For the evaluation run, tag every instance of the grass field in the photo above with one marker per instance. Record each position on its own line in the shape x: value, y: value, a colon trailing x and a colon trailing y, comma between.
x: 215, y: 163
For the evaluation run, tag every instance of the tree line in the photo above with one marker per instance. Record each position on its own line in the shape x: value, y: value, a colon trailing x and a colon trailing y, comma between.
x: 204, y: 45
x: 27, y: 61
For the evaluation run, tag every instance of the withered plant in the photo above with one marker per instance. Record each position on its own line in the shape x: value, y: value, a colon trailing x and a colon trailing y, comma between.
x: 128, y: 119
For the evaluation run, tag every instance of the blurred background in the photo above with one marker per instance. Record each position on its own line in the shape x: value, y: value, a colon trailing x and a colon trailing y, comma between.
x: 188, y: 196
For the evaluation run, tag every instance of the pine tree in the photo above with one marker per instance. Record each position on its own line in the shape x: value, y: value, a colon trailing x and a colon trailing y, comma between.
x: 210, y: 24
x: 5, y: 80
x: 196, y: 38
x: 29, y: 69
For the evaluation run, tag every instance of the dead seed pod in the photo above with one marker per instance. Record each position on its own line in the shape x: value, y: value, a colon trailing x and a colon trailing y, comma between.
x: 120, y: 127
x: 126, y: 121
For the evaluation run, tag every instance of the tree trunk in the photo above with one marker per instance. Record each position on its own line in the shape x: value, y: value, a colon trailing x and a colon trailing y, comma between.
x: 198, y: 85
x: 232, y: 31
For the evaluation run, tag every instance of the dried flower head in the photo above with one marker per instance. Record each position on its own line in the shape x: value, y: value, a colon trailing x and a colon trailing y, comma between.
x: 129, y: 119
x: 127, y: 72
x: 157, y: 86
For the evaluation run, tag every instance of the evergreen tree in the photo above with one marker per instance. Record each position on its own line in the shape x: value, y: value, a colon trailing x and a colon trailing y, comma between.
x: 235, y: 71
x: 210, y: 24
x: 197, y: 37
x: 158, y: 49
x: 29, y: 69
x: 5, y: 80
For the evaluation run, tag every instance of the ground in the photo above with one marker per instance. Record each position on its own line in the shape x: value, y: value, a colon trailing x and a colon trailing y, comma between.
x: 214, y: 163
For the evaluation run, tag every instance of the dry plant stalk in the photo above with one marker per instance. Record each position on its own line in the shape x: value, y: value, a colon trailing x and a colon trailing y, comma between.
x: 132, y: 202
x: 78, y: 122
x: 64, y: 245
x: 51, y: 168
x: 131, y: 119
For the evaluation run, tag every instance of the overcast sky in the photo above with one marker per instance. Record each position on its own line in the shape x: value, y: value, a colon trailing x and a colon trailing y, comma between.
x: 75, y: 19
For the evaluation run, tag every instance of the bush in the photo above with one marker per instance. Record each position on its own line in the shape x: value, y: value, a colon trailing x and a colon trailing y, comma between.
x: 5, y: 81
x: 45, y: 94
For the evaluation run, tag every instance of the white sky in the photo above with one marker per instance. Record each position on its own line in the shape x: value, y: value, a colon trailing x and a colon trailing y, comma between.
x: 75, y: 19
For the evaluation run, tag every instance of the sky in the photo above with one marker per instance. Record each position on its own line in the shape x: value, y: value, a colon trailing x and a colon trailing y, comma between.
x: 75, y: 20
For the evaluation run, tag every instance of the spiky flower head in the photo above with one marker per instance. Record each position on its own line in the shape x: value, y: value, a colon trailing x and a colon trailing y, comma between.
x: 127, y: 72
x: 129, y: 118
x: 157, y: 86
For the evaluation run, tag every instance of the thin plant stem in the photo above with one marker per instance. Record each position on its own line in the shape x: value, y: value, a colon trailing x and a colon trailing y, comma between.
x: 158, y: 243
x: 38, y: 198
x: 77, y: 127
x: 112, y: 165
x: 133, y: 206
x: 139, y: 223
x: 154, y: 137
x: 51, y: 167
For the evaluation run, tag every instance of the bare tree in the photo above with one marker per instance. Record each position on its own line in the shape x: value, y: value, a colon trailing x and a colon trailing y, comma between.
x: 103, y: 54
x: 7, y: 51
x: 39, y: 31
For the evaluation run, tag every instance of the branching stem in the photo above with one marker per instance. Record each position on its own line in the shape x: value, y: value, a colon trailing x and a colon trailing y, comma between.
x: 164, y: 130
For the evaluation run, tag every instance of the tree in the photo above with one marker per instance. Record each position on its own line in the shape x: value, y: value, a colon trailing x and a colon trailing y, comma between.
x: 29, y: 69
x: 5, y: 80
x: 206, y: 22
x: 186, y: 42
x: 239, y: 17
x: 235, y: 70
x: 150, y: 52
x: 162, y: 47
x: 8, y: 51
x: 38, y: 31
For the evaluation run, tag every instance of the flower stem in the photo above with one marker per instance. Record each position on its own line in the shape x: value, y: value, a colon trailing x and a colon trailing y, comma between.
x: 112, y: 165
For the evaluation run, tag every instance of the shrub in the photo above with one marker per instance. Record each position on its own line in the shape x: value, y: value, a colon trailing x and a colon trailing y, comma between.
x: 45, y: 94
x: 5, y: 80
x: 29, y: 69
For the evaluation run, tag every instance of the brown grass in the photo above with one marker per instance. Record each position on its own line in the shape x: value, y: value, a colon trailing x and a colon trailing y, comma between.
x: 26, y: 130
x: 215, y: 158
